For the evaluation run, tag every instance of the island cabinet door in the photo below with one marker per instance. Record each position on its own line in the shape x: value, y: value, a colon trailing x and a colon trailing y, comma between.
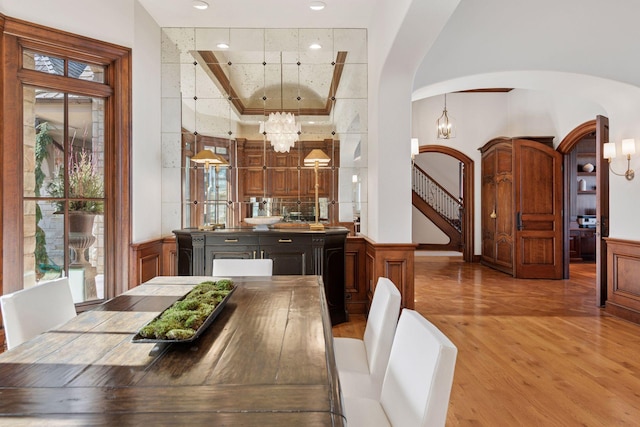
x: 291, y: 254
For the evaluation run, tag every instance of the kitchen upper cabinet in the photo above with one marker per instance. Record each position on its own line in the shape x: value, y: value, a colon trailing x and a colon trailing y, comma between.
x: 283, y: 170
x: 266, y: 173
x: 521, y: 210
x: 251, y: 169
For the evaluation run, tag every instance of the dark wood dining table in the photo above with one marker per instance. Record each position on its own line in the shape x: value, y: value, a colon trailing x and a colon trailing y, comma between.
x: 266, y: 360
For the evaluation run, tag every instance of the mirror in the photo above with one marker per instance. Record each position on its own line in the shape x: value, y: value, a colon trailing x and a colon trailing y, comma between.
x: 225, y: 84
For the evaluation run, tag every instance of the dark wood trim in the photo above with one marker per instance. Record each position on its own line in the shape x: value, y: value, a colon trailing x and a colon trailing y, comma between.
x: 468, y: 185
x: 146, y: 261
x: 169, y: 256
x: 213, y: 64
x: 622, y: 279
x: 437, y: 247
x: 394, y: 261
x: 152, y: 258
x: 118, y: 77
x: 355, y: 276
x: 599, y: 126
x: 569, y: 142
x: 455, y: 240
x: 565, y: 147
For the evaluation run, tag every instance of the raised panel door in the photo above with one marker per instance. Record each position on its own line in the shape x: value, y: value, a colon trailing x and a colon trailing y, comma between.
x: 538, y: 209
x: 488, y: 215
x: 252, y: 171
x: 283, y: 174
x: 504, y: 207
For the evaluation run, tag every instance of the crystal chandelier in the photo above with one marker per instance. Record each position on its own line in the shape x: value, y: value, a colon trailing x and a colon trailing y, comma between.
x: 281, y: 129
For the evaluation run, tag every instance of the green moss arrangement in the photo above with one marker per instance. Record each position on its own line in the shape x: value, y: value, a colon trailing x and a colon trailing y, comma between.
x: 184, y: 317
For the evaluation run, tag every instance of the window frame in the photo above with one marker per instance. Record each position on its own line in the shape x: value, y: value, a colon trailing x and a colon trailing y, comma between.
x: 18, y: 35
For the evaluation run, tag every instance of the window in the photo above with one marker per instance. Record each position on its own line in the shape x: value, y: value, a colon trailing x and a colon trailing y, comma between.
x: 65, y: 181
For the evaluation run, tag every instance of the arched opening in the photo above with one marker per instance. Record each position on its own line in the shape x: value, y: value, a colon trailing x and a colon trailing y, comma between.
x: 600, y: 128
x: 467, y: 181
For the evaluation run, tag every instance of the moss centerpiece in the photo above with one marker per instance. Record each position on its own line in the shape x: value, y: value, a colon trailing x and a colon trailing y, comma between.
x: 186, y: 316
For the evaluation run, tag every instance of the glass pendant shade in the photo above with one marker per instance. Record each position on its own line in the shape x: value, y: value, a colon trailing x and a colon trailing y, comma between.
x: 446, y: 129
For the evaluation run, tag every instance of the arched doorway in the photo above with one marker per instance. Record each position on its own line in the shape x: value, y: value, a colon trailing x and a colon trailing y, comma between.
x: 599, y: 126
x: 467, y: 191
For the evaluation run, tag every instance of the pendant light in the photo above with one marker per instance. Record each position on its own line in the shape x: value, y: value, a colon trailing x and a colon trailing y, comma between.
x: 445, y: 123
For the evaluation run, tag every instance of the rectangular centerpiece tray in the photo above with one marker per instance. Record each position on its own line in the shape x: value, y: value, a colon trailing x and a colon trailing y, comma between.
x: 137, y: 338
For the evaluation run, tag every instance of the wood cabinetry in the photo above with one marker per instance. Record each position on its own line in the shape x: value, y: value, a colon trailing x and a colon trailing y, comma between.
x: 291, y: 254
x: 497, y: 206
x: 521, y: 211
x: 251, y: 168
x: 294, y: 252
x: 283, y: 170
x: 582, y: 244
x: 265, y: 173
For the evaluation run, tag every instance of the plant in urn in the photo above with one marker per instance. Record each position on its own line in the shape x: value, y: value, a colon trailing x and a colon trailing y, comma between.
x: 84, y: 182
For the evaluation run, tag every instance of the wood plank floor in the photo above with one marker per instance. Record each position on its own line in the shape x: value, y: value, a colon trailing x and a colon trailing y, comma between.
x: 530, y: 352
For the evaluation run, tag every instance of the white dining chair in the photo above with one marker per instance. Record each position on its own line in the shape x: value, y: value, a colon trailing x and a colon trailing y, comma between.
x: 32, y: 311
x: 362, y: 363
x: 242, y: 267
x: 417, y: 383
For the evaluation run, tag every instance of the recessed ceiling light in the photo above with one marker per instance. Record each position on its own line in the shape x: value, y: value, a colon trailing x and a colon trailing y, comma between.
x: 315, y: 46
x: 200, y: 5
x: 317, y: 5
x: 223, y: 46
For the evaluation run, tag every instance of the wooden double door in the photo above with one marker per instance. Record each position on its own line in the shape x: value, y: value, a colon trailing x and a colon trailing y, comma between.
x: 522, y: 228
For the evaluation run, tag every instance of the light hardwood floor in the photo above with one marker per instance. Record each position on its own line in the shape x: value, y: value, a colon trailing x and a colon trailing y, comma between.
x: 530, y: 352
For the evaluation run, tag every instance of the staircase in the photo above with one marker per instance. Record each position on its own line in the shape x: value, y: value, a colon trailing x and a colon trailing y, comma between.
x: 442, y: 208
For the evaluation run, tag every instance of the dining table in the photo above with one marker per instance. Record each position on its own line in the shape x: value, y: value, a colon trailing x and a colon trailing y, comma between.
x: 266, y: 359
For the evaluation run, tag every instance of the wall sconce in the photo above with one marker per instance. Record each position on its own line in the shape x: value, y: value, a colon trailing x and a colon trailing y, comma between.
x: 208, y: 158
x: 628, y: 148
x: 415, y: 148
x: 316, y: 158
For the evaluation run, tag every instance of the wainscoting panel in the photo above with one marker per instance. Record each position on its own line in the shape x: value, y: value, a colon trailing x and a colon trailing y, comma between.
x: 355, y: 276
x: 394, y: 261
x: 152, y: 258
x: 623, y: 287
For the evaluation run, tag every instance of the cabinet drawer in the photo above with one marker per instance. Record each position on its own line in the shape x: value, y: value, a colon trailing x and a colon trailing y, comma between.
x: 287, y: 239
x: 231, y: 239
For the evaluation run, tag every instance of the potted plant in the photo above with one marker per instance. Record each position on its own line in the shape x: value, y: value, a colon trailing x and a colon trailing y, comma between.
x: 84, y: 182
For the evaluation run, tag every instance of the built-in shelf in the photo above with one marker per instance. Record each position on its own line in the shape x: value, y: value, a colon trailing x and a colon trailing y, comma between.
x: 582, y: 239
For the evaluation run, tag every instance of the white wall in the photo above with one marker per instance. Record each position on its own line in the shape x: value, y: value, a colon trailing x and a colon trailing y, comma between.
x: 394, y: 56
x: 111, y: 21
x: 147, y: 191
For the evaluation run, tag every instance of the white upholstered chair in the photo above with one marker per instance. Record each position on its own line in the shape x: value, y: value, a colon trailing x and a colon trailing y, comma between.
x: 417, y: 383
x: 32, y: 311
x: 362, y: 363
x: 242, y: 267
